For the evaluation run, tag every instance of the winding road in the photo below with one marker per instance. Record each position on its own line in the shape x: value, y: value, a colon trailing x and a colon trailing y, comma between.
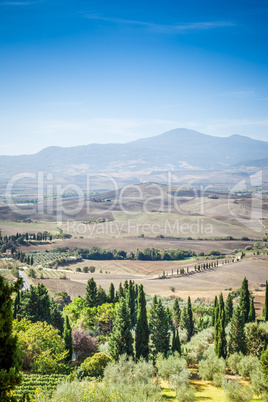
x: 26, y: 282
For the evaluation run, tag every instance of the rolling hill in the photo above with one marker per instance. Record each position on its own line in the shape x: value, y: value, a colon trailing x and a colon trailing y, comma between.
x: 178, y: 150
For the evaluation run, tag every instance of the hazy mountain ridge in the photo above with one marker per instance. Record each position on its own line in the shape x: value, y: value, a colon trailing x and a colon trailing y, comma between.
x: 177, y: 149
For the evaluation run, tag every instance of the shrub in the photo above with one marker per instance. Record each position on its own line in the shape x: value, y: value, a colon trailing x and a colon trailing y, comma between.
x: 233, y: 361
x: 212, y: 368
x: 185, y: 394
x: 131, y: 382
x: 91, y: 269
x: 174, y: 369
x: 85, y: 270
x: 248, y: 364
x: 94, y: 366
x: 256, y: 338
x: 259, y: 383
x: 126, y: 371
x: 236, y: 392
x: 78, y: 269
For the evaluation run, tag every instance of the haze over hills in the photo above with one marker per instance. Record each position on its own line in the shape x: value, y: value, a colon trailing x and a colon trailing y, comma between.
x: 177, y: 150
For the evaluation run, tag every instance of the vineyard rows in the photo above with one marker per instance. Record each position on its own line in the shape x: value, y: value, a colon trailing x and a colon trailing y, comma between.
x: 30, y: 383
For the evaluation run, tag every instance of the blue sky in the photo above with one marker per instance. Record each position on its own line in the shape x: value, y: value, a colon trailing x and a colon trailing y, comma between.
x: 77, y: 72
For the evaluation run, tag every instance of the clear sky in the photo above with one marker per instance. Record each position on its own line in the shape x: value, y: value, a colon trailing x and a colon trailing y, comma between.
x: 83, y: 71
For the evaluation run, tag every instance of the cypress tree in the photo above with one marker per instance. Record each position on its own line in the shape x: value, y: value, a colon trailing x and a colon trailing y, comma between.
x: 16, y: 305
x: 228, y: 308
x: 56, y: 317
x: 91, y: 294
x: 169, y: 318
x: 131, y: 301
x: 176, y: 343
x: 214, y: 310
x: 68, y: 340
x: 220, y: 336
x: 10, y: 360
x: 244, y: 301
x: 101, y: 297
x: 125, y: 288
x: 35, y: 304
x: 190, y: 328
x: 120, y: 293
x: 216, y: 330
x: 121, y: 341
x: 111, y: 296
x: 237, y: 342
x: 159, y: 328
x: 176, y: 313
x: 265, y: 309
x: 142, y: 329
x: 251, y: 314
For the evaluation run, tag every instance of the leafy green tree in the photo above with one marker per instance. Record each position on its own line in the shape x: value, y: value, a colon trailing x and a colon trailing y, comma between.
x: 265, y: 309
x: 91, y: 294
x: 228, y: 308
x: 251, y: 314
x: 159, y: 328
x: 10, y: 361
x: 142, y: 329
x: 237, y: 342
x: 43, y: 350
x: 67, y: 337
x: 244, y: 301
x: 176, y: 313
x: 121, y: 341
x: 111, y: 294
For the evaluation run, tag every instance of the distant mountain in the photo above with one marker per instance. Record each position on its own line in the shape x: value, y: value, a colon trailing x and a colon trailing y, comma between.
x: 179, y: 149
x: 259, y: 163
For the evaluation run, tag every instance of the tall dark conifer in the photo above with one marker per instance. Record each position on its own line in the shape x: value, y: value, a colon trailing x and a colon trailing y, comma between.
x: 111, y: 294
x: 190, y: 328
x: 176, y: 313
x: 244, y: 301
x: 91, y: 294
x: 159, y: 328
x: 228, y: 308
x: 215, y: 304
x: 121, y: 341
x: 56, y: 317
x: 68, y: 340
x: 237, y: 342
x: 142, y: 329
x: 10, y: 360
x: 251, y: 314
x: 176, y: 343
x: 131, y: 301
x: 265, y: 309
